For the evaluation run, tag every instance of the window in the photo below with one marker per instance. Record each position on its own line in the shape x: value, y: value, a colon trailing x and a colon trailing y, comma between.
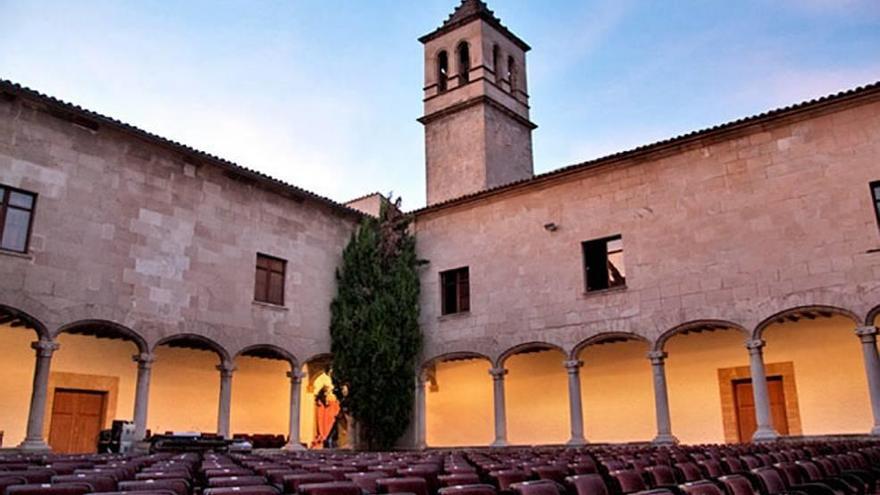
x: 269, y: 285
x: 603, y: 263
x: 455, y: 290
x: 511, y: 74
x: 442, y: 70
x: 464, y: 63
x: 875, y: 193
x: 16, y: 216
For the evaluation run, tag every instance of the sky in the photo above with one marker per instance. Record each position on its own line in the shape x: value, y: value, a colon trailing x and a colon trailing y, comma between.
x: 325, y: 94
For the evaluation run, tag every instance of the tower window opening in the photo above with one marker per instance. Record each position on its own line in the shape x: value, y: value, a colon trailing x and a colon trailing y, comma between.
x: 512, y: 73
x: 442, y: 70
x: 464, y: 62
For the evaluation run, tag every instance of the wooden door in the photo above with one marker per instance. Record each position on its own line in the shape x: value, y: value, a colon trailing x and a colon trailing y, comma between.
x: 77, y: 417
x: 745, y: 407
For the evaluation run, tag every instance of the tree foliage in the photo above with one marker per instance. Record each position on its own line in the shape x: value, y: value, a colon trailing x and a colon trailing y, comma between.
x: 374, y: 330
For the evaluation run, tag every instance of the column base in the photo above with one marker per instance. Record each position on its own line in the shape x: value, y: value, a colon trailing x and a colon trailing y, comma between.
x: 499, y: 443
x: 665, y: 439
x: 875, y: 430
x: 576, y: 442
x: 421, y: 446
x: 765, y: 435
x: 293, y: 446
x: 34, y: 445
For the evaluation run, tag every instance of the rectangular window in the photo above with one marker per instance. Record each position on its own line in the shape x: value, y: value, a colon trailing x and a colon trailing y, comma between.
x: 875, y: 193
x: 269, y: 283
x: 603, y: 263
x: 455, y: 289
x: 16, y: 216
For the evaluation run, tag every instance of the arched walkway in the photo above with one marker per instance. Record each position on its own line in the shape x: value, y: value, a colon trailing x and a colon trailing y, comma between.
x: 92, y: 367
x: 616, y: 388
x: 457, y: 392
x: 537, y: 402
x: 18, y: 331
x: 819, y: 369
x: 192, y: 373
x: 697, y: 354
x: 265, y: 396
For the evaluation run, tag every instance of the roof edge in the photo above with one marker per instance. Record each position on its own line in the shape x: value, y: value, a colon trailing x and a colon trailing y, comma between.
x: 839, y: 98
x: 268, y: 182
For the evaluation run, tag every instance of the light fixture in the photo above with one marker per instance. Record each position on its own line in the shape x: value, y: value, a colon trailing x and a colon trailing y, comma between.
x: 551, y: 227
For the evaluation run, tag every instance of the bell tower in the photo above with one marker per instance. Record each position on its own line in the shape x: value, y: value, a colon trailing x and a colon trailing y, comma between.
x: 477, y: 129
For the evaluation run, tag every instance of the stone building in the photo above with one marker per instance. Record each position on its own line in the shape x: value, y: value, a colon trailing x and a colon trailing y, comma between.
x: 716, y: 286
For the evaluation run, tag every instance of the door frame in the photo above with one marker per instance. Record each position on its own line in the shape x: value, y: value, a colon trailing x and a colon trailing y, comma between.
x: 108, y: 385
x: 726, y: 377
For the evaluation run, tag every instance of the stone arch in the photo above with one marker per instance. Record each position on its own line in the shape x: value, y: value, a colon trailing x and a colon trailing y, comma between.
x: 105, y: 329
x: 605, y: 338
x: 195, y: 341
x: 696, y: 326
x: 453, y: 356
x: 269, y: 351
x: 527, y: 346
x: 872, y: 316
x: 463, y: 61
x: 18, y: 318
x: 798, y: 312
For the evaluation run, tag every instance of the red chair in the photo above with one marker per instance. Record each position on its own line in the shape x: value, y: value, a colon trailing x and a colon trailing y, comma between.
x: 537, y: 487
x: 504, y: 479
x: 661, y: 476
x: 457, y: 479
x: 737, y: 484
x: 47, y: 489
x: 703, y: 487
x: 99, y: 483
x: 587, y: 484
x: 242, y: 490
x: 292, y: 482
x: 7, y: 481
x: 416, y: 486
x: 367, y: 480
x: 227, y: 481
x: 178, y: 486
x: 331, y: 488
x: 476, y: 489
x: 628, y: 481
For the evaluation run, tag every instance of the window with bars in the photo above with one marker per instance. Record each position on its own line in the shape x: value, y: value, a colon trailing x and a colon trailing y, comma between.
x: 16, y: 218
x: 269, y: 284
x: 603, y: 263
x: 875, y: 193
x: 455, y: 291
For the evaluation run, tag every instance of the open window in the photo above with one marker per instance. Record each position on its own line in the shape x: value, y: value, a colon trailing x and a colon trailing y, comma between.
x: 603, y: 263
x: 464, y: 62
x: 442, y: 70
x: 455, y: 291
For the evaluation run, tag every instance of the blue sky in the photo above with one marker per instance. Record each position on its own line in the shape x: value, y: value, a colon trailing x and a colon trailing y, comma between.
x: 325, y: 93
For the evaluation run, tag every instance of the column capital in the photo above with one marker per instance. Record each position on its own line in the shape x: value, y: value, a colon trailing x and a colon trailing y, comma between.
x: 867, y: 334
x: 755, y: 345
x: 295, y: 376
x: 657, y: 357
x: 497, y: 373
x: 226, y: 368
x: 45, y: 347
x: 573, y: 365
x: 144, y: 359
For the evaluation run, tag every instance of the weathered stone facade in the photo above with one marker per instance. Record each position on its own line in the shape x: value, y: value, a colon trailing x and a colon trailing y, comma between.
x: 160, y: 241
x: 735, y: 225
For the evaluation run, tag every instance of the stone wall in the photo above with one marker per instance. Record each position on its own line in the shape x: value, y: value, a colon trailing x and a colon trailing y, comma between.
x: 131, y: 232
x: 735, y: 227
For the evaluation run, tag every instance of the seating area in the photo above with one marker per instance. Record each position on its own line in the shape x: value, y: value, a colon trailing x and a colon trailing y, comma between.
x: 825, y: 468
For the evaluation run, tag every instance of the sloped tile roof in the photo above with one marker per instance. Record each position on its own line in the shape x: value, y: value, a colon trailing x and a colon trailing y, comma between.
x: 468, y: 11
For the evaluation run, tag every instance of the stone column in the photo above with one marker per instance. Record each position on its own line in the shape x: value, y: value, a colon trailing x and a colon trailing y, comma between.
x: 34, y: 440
x: 868, y: 336
x: 661, y: 399
x: 144, y: 361
x: 575, y: 409
x: 226, y: 368
x: 421, y: 413
x: 763, y: 416
x: 293, y: 442
x: 500, y: 410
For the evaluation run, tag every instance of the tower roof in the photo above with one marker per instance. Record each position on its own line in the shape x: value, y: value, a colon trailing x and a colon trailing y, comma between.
x: 470, y: 10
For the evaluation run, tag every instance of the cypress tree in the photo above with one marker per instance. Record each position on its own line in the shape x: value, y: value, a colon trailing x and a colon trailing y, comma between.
x: 374, y: 330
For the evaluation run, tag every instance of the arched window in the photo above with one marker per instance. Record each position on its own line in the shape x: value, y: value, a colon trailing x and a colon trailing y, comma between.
x: 511, y: 74
x: 442, y: 70
x: 496, y: 60
x: 464, y: 62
